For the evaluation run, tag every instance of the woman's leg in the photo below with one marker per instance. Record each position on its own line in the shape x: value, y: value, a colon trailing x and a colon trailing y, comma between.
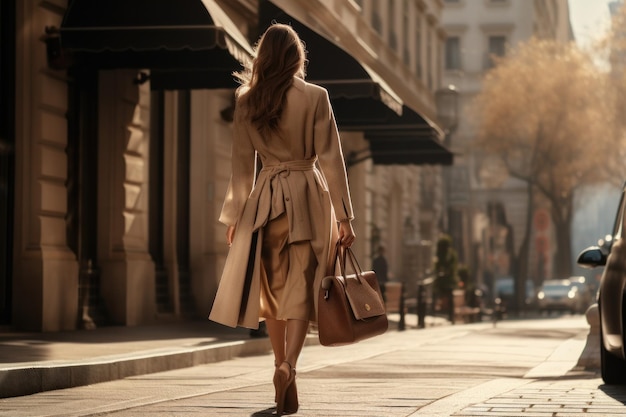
x: 276, y: 330
x: 287, y: 339
x: 296, y: 333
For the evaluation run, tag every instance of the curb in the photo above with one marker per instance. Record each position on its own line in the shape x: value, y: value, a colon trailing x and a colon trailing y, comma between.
x: 36, y: 378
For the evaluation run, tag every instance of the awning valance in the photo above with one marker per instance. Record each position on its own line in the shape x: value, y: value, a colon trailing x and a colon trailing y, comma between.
x: 168, y: 37
x: 407, y: 147
x: 406, y: 139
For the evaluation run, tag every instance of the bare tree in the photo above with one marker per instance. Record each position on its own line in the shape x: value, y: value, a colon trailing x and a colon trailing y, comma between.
x: 542, y: 111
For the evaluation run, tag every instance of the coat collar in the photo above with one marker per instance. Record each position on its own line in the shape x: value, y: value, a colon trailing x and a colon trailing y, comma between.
x: 299, y: 83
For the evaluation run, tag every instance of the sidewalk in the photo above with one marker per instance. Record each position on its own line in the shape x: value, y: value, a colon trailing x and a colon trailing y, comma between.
x: 37, y: 362
x: 517, y: 368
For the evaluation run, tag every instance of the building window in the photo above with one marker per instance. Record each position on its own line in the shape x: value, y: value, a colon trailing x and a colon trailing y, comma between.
x: 391, y: 15
x: 453, y: 53
x: 439, y: 63
x: 418, y: 47
x: 405, y: 33
x: 497, y: 48
x: 497, y: 45
x: 377, y: 23
x: 429, y: 60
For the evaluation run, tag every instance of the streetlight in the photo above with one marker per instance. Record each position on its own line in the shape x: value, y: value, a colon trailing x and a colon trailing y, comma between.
x: 447, y: 102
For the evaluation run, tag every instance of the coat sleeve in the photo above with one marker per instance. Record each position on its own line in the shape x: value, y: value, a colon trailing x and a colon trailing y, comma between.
x: 330, y: 156
x: 242, y: 176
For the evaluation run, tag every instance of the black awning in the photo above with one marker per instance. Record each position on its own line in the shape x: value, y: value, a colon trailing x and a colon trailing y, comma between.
x: 173, y: 36
x: 403, y: 147
x: 358, y: 116
x: 331, y: 66
x: 393, y: 139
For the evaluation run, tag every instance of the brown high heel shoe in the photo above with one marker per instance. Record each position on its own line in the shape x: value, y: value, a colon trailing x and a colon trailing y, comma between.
x: 291, y: 397
x: 286, y: 392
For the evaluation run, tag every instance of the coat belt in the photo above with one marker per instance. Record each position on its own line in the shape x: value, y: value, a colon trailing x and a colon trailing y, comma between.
x: 300, y: 165
x: 280, y: 193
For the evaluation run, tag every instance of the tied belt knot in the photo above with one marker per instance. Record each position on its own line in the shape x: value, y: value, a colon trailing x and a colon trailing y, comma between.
x: 279, y: 192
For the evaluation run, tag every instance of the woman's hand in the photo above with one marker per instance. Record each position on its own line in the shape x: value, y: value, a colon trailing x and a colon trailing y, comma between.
x: 230, y: 234
x: 346, y: 233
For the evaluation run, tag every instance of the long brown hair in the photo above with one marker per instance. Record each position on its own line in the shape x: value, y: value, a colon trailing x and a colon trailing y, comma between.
x: 280, y: 55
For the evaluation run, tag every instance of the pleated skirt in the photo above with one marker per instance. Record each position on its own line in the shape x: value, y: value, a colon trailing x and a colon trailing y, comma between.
x: 287, y: 274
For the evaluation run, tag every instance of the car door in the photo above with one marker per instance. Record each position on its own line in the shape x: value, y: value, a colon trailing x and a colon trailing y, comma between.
x: 612, y: 287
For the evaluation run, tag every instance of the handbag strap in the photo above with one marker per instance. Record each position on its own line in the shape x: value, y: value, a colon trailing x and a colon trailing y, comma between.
x: 332, y: 265
x: 344, y: 255
x: 353, y: 262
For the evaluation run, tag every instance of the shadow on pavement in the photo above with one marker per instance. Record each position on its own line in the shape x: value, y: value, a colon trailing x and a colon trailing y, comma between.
x: 617, y: 392
x: 575, y: 374
x: 264, y: 413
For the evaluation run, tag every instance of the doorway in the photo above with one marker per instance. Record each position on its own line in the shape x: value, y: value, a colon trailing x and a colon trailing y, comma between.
x: 7, y: 153
x: 82, y: 192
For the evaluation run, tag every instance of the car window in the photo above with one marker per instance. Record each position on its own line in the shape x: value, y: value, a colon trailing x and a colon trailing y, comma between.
x: 551, y: 287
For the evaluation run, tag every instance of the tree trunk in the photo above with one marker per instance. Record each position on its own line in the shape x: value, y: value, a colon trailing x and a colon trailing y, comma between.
x: 562, y: 219
x: 521, y: 269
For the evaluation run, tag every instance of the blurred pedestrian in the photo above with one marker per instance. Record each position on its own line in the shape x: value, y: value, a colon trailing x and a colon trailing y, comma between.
x: 380, y: 266
x: 281, y: 226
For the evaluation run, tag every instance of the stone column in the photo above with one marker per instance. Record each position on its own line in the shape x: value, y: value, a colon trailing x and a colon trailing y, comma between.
x: 361, y: 193
x: 127, y: 271
x: 45, y: 275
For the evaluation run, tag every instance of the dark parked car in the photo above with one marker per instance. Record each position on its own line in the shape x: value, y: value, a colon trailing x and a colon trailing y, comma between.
x: 611, y: 253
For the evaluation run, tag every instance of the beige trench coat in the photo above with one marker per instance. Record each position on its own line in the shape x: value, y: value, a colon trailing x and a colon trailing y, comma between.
x: 289, y: 182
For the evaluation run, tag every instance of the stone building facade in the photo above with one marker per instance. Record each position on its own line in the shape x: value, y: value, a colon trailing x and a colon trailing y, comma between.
x: 115, y: 145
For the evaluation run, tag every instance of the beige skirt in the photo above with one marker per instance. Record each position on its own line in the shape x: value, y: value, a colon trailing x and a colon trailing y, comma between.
x: 287, y: 274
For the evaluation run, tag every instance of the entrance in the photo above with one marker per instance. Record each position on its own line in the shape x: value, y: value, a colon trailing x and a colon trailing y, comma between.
x: 7, y: 153
x: 82, y: 191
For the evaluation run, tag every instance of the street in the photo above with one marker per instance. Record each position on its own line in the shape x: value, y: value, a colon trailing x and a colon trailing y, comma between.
x: 519, y: 367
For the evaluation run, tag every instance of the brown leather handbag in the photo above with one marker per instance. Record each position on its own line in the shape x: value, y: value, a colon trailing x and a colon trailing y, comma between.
x: 350, y: 307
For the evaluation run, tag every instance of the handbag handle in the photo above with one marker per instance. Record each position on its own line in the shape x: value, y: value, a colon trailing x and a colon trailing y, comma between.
x: 346, y: 254
x: 341, y: 254
x: 353, y: 262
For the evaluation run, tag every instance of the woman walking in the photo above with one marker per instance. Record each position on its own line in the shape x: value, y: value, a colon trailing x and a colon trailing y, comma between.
x: 283, y: 223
